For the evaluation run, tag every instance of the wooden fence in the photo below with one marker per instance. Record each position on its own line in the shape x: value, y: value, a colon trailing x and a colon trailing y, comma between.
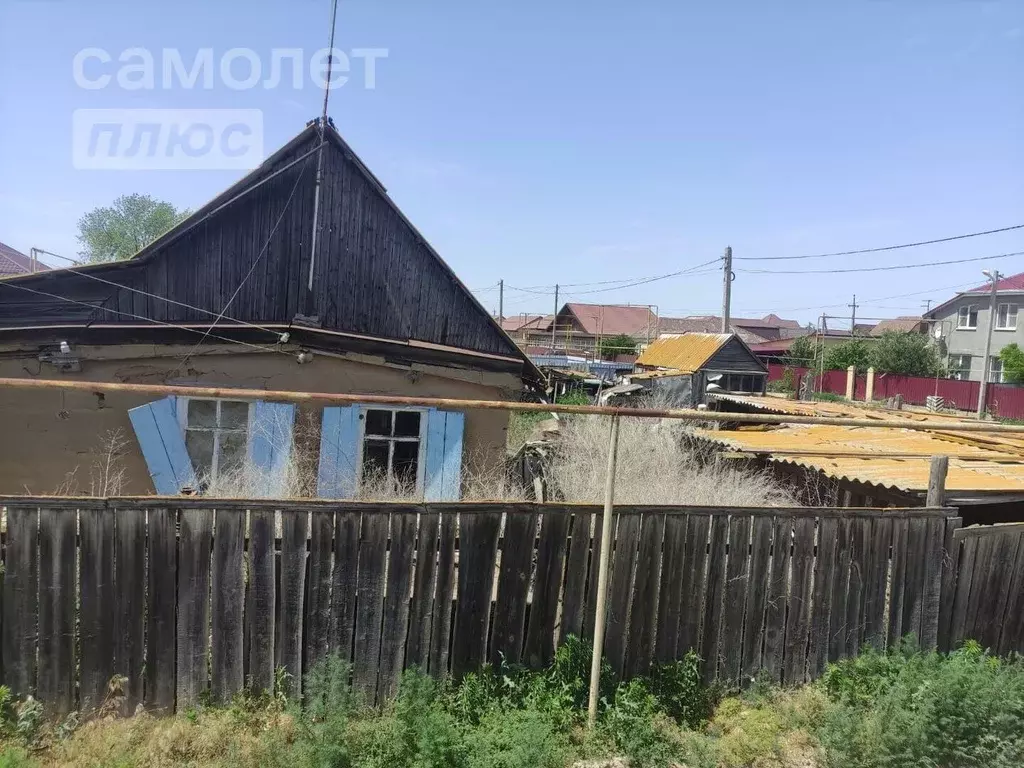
x: 987, y: 589
x: 201, y: 598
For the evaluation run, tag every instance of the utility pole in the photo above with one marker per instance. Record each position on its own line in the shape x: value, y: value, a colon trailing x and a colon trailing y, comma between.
x: 727, y: 278
x: 853, y: 315
x: 927, y: 305
x: 554, y: 320
x: 994, y: 276
x: 501, y: 301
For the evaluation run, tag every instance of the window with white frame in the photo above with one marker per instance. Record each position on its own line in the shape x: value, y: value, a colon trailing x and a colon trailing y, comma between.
x: 1006, y: 317
x: 960, y: 367
x: 391, y: 445
x: 216, y: 436
x: 995, y: 371
x: 967, y: 317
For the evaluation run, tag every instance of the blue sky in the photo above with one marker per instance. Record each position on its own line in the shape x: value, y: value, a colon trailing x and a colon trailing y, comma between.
x: 586, y: 142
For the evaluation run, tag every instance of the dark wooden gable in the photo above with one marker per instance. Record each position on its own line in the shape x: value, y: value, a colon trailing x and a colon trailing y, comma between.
x: 374, y: 274
x: 736, y: 356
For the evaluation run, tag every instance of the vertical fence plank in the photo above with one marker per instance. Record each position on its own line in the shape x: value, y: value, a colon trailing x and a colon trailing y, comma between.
x: 898, y: 580
x: 757, y: 592
x: 130, y: 603
x: 799, y: 621
x: 317, y: 623
x: 96, y: 617
x: 837, y: 626
x: 670, y: 593
x: 860, y: 535
x: 590, y: 611
x: 691, y: 605
x: 343, y: 583
x: 288, y: 641
x: 21, y: 600
x: 710, y: 645
x: 644, y: 607
x: 540, y: 630
x: 478, y: 548
x: 778, y: 599
x: 370, y: 602
x: 824, y: 578
x: 56, y: 679
x: 421, y: 609
x: 574, y: 600
x: 259, y: 612
x: 440, y: 631
x: 161, y: 627
x: 950, y: 567
x: 992, y: 601
x: 964, y: 586
x: 913, y: 592
x: 737, y: 573
x: 513, y: 586
x: 934, y: 539
x: 193, y: 604
x: 1012, y: 622
x: 876, y: 582
x: 396, y: 601
x: 228, y: 594
x: 620, y: 593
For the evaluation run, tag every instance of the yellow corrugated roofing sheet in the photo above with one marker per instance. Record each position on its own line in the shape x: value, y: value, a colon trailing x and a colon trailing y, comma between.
x: 686, y: 353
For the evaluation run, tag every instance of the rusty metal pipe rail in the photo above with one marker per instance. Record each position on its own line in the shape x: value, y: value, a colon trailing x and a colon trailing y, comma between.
x: 333, y: 398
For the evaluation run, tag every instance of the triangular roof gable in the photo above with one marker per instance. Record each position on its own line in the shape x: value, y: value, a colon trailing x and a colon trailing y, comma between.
x: 375, y: 273
x: 735, y: 342
x: 1011, y: 284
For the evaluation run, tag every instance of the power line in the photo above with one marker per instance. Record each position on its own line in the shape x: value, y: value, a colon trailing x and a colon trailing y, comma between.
x: 884, y: 248
x: 876, y: 269
x: 627, y: 282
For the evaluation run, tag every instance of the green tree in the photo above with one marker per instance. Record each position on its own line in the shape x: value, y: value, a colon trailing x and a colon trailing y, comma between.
x: 123, y: 229
x: 803, y: 352
x: 911, y: 354
x: 1013, y: 363
x: 841, y: 356
x: 611, y: 346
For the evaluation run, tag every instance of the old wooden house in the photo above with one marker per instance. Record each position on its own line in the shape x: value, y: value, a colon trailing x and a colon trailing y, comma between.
x: 256, y: 289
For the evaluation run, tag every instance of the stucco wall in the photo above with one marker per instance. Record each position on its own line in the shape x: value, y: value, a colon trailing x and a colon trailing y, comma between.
x: 963, y: 341
x: 51, y: 440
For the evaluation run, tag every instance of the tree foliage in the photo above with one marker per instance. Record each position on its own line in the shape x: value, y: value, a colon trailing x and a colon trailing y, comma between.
x: 910, y: 354
x: 124, y: 228
x: 803, y: 352
x: 611, y: 346
x: 841, y: 356
x: 1013, y: 363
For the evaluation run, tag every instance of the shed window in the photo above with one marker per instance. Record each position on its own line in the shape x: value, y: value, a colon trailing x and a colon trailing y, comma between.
x: 967, y: 317
x: 392, y: 442
x: 216, y: 437
x: 1006, y: 317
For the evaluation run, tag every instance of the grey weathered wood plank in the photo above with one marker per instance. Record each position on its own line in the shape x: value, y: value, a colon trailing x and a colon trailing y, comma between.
x: 860, y: 537
x: 593, y: 568
x: 757, y: 593
x: 540, y: 630
x: 646, y: 583
x: 478, y: 548
x: 778, y: 599
x: 620, y: 592
x: 950, y: 567
x: 934, y: 540
x: 876, y: 583
x: 161, y: 627
x: 913, y: 594
x: 228, y: 593
x: 130, y: 604
x: 711, y: 641
x: 691, y: 606
x: 993, y: 598
x: 670, y: 593
x: 980, y: 584
x: 343, y: 583
x: 799, y: 621
x: 396, y: 601
x: 56, y: 679
x: 898, y: 581
x: 513, y: 586
x: 824, y: 576
x: 421, y: 608
x: 837, y: 626
x: 577, y: 569
x: 736, y: 575
x: 21, y: 600
x: 370, y: 606
x: 259, y: 610
x: 193, y: 631
x: 317, y: 623
x: 962, y: 596
x: 96, y: 622
x: 292, y: 588
x: 1010, y: 636
x: 444, y: 607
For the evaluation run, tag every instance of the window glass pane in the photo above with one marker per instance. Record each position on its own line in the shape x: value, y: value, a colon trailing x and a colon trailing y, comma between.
x: 405, y: 461
x: 378, y: 422
x: 375, y: 461
x: 973, y: 318
x: 234, y: 414
x: 200, y: 449
x: 202, y: 413
x: 407, y: 423
x: 232, y: 454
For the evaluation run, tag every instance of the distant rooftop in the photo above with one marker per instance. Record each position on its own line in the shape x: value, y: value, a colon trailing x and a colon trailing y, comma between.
x: 14, y: 262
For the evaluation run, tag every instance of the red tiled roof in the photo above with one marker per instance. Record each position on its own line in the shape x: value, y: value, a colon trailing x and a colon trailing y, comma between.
x: 1011, y: 283
x: 608, y: 320
x: 767, y: 327
x: 523, y: 322
x: 14, y: 262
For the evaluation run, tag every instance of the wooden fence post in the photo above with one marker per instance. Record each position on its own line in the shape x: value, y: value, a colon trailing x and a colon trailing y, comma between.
x: 937, y: 482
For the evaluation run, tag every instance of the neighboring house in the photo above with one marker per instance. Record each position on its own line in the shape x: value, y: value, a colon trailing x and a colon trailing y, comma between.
x: 384, y: 315
x: 579, y: 328
x: 681, y: 369
x: 14, y: 262
x: 779, y: 351
x: 518, y: 326
x: 902, y: 324
x: 751, y: 330
x: 962, y: 323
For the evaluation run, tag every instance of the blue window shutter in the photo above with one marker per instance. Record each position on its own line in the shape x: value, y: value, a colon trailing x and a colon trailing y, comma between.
x: 270, y: 445
x: 163, y: 446
x: 339, y: 448
x: 443, y: 470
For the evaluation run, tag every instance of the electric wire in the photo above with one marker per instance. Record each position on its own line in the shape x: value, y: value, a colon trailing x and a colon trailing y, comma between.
x: 887, y: 268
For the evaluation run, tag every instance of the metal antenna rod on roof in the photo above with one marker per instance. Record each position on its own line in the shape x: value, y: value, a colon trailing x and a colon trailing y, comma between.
x: 320, y: 149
